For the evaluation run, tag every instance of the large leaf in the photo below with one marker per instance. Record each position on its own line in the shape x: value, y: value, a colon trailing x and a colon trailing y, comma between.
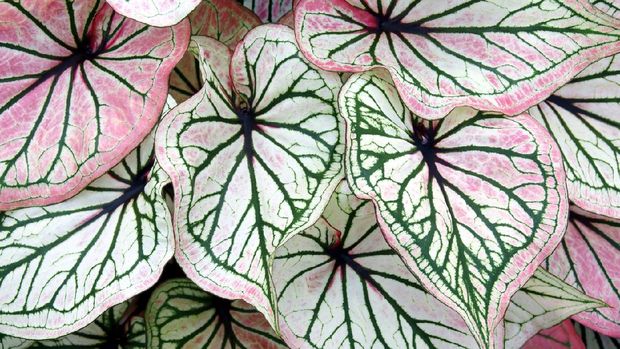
x: 224, y: 20
x: 269, y: 10
x: 80, y: 87
x: 584, y: 118
x: 472, y: 203
x: 498, y: 56
x: 589, y: 259
x: 594, y: 340
x: 253, y: 158
x: 340, y: 285
x: 562, y: 336
x: 181, y: 315
x: 160, y: 13
x: 62, y: 265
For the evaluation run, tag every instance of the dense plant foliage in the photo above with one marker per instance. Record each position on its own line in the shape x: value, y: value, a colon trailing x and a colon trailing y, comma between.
x: 309, y: 174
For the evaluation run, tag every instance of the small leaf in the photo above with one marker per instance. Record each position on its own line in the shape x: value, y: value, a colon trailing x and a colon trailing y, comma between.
x: 269, y: 10
x: 473, y: 203
x: 583, y: 118
x: 81, y: 87
x: 159, y: 13
x: 498, y: 56
x: 136, y: 336
x: 562, y: 336
x: 589, y: 259
x: 253, y: 158
x: 181, y: 315
x: 594, y: 340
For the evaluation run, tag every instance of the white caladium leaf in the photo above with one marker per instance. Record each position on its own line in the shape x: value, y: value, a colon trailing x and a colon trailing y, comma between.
x: 595, y: 340
x: 473, y: 203
x: 253, y: 158
x: 541, y: 303
x: 224, y: 20
x: 80, y: 87
x: 269, y: 10
x: 159, y: 13
x: 490, y: 55
x: 62, y: 265
x: 562, y: 336
x: 583, y: 117
x: 340, y: 285
x: 181, y: 315
x: 589, y: 259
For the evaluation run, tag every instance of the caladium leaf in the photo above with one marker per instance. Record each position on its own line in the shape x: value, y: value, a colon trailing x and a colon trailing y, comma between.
x: 589, y: 259
x: 611, y: 7
x: 159, y: 13
x: 472, y: 203
x: 253, y: 158
x: 181, y: 315
x: 595, y: 340
x: 80, y: 88
x: 495, y: 56
x: 339, y: 284
x: 224, y: 20
x: 136, y: 336
x: 269, y: 10
x: 562, y: 336
x: 62, y: 265
x: 582, y: 116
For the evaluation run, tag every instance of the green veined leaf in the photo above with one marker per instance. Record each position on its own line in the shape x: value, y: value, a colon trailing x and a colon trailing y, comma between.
x: 224, y: 20
x: 253, y: 159
x: 501, y: 56
x: 136, y: 336
x: 611, y: 7
x: 588, y: 258
x: 62, y: 265
x: 562, y: 336
x: 181, y: 315
x: 159, y: 13
x: 472, y: 203
x: 594, y: 340
x: 269, y: 10
x: 583, y: 117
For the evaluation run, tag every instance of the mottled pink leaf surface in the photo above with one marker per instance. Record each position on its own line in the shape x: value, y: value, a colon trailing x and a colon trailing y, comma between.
x: 497, y: 56
x: 159, y: 13
x: 562, y: 336
x: 473, y: 203
x: 80, y: 87
x: 589, y: 259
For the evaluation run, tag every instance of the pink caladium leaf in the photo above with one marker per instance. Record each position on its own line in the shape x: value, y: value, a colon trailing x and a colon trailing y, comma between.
x: 583, y: 118
x: 269, y: 10
x: 253, y: 157
x: 224, y: 20
x: 80, y: 87
x: 473, y: 203
x: 589, y: 259
x: 62, y: 265
x: 495, y: 56
x: 339, y: 285
x: 181, y: 315
x: 159, y: 13
x: 595, y: 340
x: 562, y: 336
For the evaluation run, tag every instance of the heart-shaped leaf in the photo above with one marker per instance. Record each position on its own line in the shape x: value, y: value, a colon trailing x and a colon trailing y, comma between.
x: 269, y: 10
x: 62, y: 265
x: 254, y: 158
x: 594, y: 340
x: 589, y: 259
x: 473, y: 203
x: 224, y: 20
x: 340, y: 285
x: 583, y: 117
x: 181, y: 315
x: 159, y: 13
x: 562, y: 336
x: 496, y: 56
x: 80, y: 87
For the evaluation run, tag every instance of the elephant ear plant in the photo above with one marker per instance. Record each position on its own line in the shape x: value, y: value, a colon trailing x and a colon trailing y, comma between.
x: 309, y: 174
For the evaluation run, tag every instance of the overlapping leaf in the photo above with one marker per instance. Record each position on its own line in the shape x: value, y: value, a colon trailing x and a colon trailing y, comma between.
x: 181, y: 315
x: 224, y: 20
x: 562, y: 336
x: 80, y: 87
x: 594, y: 340
x: 269, y: 10
x: 159, y: 13
x: 583, y: 117
x: 498, y: 56
x: 62, y: 265
x: 340, y: 285
x: 253, y: 158
x: 589, y: 259
x: 472, y: 203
